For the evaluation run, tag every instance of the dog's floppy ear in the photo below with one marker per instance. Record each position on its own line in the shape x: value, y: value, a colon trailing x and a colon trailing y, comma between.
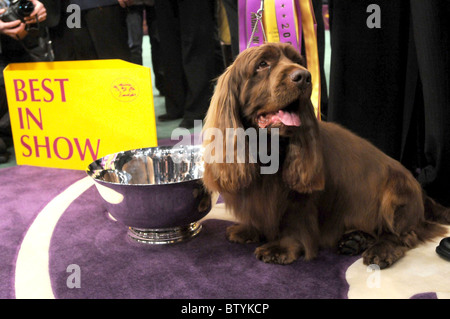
x: 224, y: 113
x: 303, y: 166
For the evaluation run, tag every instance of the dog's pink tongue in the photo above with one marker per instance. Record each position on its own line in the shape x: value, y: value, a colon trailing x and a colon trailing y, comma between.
x: 288, y: 119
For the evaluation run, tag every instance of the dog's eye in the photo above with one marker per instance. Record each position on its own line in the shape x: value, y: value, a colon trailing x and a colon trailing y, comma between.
x: 262, y: 65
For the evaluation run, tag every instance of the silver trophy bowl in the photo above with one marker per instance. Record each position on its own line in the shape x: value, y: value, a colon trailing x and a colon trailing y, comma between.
x: 156, y: 192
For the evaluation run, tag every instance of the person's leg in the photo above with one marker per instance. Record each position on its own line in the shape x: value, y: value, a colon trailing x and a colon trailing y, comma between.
x: 368, y: 70
x: 62, y: 37
x: 169, y: 26
x: 108, y: 31
x: 431, y: 22
x: 135, y: 33
x: 198, y: 38
x: 155, y: 44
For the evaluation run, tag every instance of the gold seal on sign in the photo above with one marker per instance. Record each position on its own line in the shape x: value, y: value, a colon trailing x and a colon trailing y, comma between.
x: 124, y: 89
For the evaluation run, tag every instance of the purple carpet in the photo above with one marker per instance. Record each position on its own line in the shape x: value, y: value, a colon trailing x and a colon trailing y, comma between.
x: 24, y: 191
x: 111, y: 266
x: 205, y: 267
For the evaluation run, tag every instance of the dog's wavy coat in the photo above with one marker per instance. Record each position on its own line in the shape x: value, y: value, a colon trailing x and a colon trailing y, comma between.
x: 330, y: 182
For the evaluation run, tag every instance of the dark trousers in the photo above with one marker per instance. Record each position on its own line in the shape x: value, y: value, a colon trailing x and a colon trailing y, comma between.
x: 103, y: 34
x: 135, y: 19
x: 391, y: 85
x: 188, y: 46
x: 12, y: 52
x: 428, y: 76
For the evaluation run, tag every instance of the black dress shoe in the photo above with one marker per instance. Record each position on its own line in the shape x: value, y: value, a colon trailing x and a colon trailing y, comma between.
x: 444, y: 248
x: 3, y: 146
x: 4, y: 157
x: 168, y: 117
x: 186, y: 123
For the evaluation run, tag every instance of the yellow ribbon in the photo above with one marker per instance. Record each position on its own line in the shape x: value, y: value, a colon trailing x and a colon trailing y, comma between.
x: 270, y: 21
x: 311, y: 50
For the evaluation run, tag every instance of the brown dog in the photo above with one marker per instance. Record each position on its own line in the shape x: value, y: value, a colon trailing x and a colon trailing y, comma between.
x: 330, y: 182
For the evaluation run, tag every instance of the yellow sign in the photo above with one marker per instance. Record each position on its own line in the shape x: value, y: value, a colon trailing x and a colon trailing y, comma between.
x: 68, y: 114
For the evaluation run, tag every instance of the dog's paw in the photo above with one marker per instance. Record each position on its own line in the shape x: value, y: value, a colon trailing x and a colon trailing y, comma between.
x: 354, y: 243
x: 274, y: 253
x: 383, y: 254
x: 242, y: 234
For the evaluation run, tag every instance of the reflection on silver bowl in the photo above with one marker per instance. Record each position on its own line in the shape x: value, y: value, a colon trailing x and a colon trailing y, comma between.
x: 156, y: 192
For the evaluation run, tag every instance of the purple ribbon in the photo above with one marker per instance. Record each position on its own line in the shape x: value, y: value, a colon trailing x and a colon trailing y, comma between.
x: 285, y: 13
x: 286, y: 10
x: 242, y: 25
x: 247, y: 20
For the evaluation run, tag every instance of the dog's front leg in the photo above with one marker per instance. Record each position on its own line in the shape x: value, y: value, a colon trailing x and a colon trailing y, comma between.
x: 299, y: 234
x: 243, y: 234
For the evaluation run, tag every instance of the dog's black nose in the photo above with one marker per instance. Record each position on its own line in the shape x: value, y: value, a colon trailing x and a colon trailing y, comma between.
x: 301, y: 77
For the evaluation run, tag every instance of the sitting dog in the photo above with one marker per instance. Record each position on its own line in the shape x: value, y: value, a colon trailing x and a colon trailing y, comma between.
x: 330, y: 181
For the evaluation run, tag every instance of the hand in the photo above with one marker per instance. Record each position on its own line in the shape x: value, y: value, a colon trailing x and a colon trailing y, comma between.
x: 125, y: 3
x: 14, y: 29
x: 39, y: 11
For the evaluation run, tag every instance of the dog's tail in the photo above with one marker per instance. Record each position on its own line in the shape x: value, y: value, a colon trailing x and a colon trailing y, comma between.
x: 435, y: 216
x: 435, y: 212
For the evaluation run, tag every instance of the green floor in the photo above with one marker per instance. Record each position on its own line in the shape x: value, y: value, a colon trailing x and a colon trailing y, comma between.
x: 164, y: 129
